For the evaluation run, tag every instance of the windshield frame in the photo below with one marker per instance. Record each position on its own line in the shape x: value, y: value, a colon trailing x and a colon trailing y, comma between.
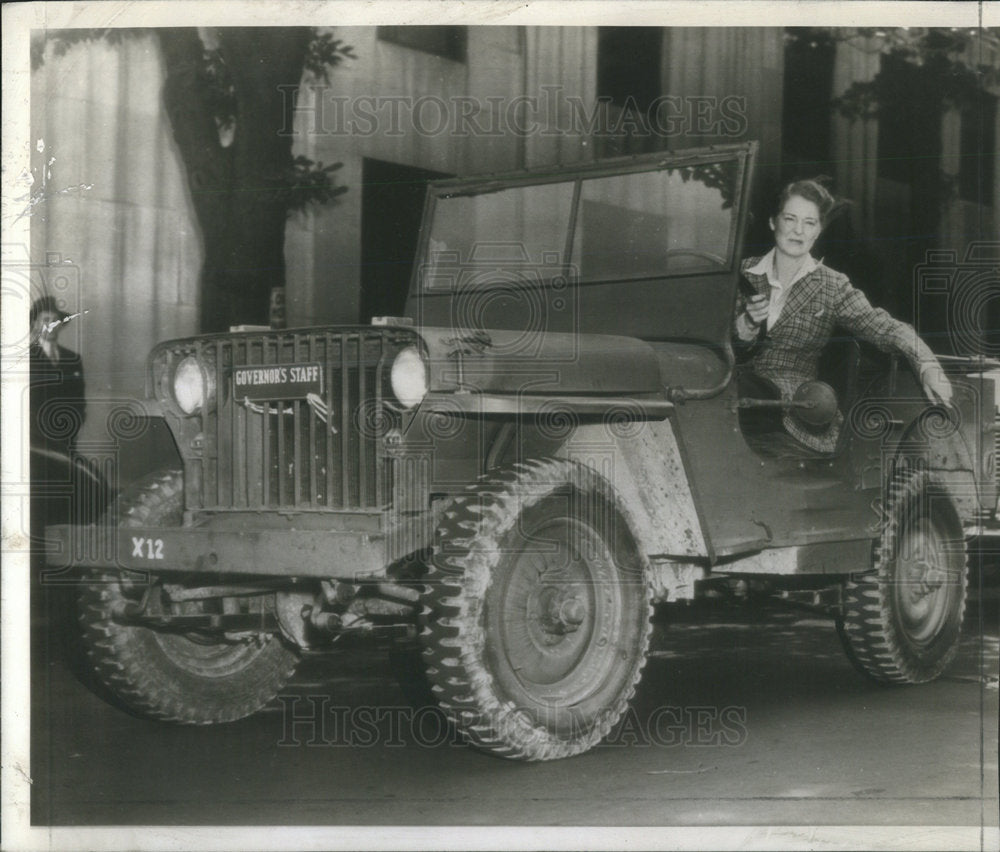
x: 576, y: 174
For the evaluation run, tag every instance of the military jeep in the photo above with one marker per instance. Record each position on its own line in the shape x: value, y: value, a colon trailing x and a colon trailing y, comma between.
x: 556, y: 436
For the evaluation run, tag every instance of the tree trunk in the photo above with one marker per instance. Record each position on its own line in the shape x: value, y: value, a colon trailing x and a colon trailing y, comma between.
x: 236, y: 190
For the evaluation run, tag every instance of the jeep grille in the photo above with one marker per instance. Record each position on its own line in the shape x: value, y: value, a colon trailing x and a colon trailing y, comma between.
x: 996, y: 452
x: 320, y: 454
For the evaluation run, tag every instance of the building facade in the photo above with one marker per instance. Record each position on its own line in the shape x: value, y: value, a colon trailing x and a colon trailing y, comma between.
x: 425, y: 102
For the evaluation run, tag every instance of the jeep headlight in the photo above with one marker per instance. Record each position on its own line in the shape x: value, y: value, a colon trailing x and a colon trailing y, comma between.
x: 408, y: 377
x: 193, y: 385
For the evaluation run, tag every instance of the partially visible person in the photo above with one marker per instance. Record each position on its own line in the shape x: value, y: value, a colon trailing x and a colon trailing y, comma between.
x: 786, y: 315
x: 58, y: 402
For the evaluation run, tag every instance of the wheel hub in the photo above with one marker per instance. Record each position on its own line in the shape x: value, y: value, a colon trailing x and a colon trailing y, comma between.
x: 561, y: 610
x: 555, y: 611
x: 929, y: 578
x: 923, y: 591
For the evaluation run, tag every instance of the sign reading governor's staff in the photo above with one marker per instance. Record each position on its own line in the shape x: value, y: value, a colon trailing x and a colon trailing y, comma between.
x: 281, y: 381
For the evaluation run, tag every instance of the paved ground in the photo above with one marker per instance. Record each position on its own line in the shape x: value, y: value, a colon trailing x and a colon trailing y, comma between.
x: 746, y: 716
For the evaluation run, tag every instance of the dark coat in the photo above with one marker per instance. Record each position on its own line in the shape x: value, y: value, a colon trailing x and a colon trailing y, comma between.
x: 58, y: 399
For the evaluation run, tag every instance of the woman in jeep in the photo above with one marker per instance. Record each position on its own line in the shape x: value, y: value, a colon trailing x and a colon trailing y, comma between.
x: 786, y: 315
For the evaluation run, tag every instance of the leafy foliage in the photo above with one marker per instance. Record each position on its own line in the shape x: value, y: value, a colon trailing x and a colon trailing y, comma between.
x: 63, y: 40
x: 308, y: 182
x: 955, y: 65
x: 325, y: 52
x: 720, y: 176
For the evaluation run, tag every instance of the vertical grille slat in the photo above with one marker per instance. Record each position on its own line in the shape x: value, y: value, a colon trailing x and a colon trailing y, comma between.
x: 380, y: 491
x: 283, y: 453
x: 345, y: 447
x: 230, y: 410
x: 328, y: 431
x: 241, y: 470
x: 208, y: 469
x: 312, y: 496
x: 265, y: 489
x: 363, y: 439
x: 217, y: 454
x: 296, y: 457
x: 996, y: 451
x: 280, y: 475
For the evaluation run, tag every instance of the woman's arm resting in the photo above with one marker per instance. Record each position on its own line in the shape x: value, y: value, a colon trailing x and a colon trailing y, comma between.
x: 879, y: 328
x: 935, y: 383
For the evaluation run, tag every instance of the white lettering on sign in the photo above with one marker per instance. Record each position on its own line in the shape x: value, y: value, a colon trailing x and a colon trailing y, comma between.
x: 305, y: 374
x: 147, y: 548
x: 265, y: 376
x: 275, y: 382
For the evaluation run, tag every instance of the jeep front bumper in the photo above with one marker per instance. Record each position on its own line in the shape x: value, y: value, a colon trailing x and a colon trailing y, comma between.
x: 335, y: 554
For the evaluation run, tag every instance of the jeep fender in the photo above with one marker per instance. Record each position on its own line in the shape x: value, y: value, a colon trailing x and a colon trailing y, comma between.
x: 934, y: 442
x: 955, y: 444
x: 643, y: 463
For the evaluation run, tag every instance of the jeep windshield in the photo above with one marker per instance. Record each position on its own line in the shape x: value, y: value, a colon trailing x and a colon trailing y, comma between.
x: 642, y: 246
x: 646, y: 224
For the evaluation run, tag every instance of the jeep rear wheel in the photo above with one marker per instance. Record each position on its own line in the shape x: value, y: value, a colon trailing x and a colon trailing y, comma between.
x: 191, y: 678
x: 901, y: 623
x: 537, y: 606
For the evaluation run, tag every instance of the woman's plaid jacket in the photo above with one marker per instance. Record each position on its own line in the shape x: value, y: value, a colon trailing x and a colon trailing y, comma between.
x: 788, y: 353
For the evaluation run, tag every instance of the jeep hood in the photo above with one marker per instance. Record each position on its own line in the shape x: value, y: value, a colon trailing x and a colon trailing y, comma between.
x: 533, y: 364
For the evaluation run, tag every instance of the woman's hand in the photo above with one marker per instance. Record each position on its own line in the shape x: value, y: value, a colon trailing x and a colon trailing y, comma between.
x: 757, y: 308
x: 936, y: 386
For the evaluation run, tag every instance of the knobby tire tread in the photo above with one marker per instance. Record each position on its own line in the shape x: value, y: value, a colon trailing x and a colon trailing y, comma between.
x: 459, y: 680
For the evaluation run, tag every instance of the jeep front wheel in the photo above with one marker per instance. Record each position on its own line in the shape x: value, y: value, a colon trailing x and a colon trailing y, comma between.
x: 193, y: 679
x: 901, y: 622
x: 536, y: 611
